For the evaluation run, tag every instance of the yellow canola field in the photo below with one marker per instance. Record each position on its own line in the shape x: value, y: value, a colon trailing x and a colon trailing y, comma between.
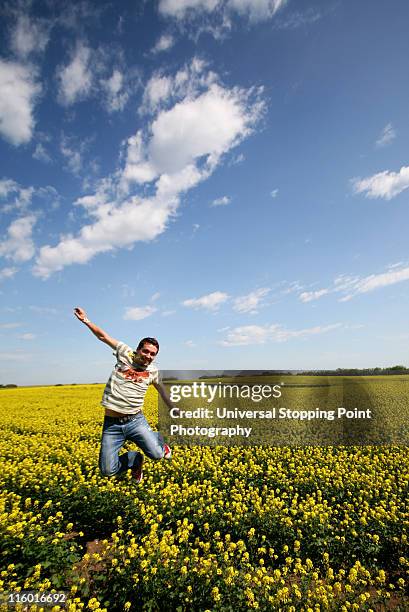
x: 313, y: 528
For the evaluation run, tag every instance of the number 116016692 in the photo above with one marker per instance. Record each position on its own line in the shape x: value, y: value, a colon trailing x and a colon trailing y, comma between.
x: 44, y: 599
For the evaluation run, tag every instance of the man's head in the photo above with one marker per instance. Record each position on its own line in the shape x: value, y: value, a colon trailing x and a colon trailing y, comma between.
x: 146, y: 351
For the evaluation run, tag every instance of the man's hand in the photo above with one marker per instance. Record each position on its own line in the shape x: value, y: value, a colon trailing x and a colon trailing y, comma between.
x: 81, y: 314
x: 97, y: 331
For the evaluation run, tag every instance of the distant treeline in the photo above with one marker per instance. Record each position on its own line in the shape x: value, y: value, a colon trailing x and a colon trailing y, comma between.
x: 397, y: 369
x: 57, y: 385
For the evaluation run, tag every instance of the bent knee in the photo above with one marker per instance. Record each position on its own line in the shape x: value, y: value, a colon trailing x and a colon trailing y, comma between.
x: 155, y: 453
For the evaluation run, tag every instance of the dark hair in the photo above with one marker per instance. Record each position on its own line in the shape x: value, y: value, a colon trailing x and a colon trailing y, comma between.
x: 148, y: 341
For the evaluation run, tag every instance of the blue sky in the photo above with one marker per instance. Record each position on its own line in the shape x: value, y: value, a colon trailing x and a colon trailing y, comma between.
x: 230, y: 176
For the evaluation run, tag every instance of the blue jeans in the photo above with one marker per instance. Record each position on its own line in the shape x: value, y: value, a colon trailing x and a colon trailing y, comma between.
x: 114, y: 436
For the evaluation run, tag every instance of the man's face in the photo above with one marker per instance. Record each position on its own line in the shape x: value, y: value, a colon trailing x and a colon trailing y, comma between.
x: 146, y: 354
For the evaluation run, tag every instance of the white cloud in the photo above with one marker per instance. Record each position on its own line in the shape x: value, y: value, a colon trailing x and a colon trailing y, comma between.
x: 254, y: 10
x: 75, y: 79
x: 9, y: 325
x: 41, y: 154
x: 115, y: 91
x: 189, y: 343
x: 237, y: 159
x: 351, y: 286
x: 171, y: 185
x: 291, y: 287
x: 223, y: 201
x: 384, y: 185
x: 27, y: 336
x: 137, y: 169
x: 18, y: 245
x: 155, y: 296
x: 101, y: 196
x: 43, y: 310
x: 212, y: 301
x: 136, y: 313
x: 29, y: 36
x: 248, y: 334
x: 274, y: 193
x: 18, y: 93
x: 96, y: 72
x: 206, y: 126
x: 7, y: 273
x: 180, y: 148
x: 164, y: 90
x: 297, y: 19
x: 116, y: 226
x: 387, y: 136
x: 259, y: 334
x: 17, y: 198
x: 374, y: 281
x: 309, y: 296
x: 179, y: 8
x: 73, y: 154
x: 157, y: 89
x: 250, y: 302
x: 77, y: 15
x: 49, y: 195
x: 14, y: 356
x: 164, y: 43
x: 7, y: 186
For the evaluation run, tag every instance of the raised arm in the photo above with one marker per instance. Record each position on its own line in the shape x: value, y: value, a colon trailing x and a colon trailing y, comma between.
x: 97, y: 331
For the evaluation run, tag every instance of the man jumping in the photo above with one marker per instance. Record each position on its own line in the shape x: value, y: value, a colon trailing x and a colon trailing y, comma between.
x: 123, y: 399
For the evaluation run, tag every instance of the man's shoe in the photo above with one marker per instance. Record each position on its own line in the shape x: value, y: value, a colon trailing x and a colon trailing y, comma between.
x: 167, y: 451
x: 137, y: 472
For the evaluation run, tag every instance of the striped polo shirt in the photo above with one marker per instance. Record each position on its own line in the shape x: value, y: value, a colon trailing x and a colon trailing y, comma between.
x: 128, y: 383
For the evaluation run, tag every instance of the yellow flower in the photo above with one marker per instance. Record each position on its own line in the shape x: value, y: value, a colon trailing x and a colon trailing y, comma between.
x: 215, y: 594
